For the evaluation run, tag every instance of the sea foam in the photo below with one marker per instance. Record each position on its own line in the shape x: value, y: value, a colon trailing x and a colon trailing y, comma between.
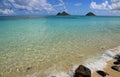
x: 94, y: 64
x: 101, y: 61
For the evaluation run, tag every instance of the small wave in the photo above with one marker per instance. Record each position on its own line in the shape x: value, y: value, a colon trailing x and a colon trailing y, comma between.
x: 61, y: 74
x: 94, y: 64
x: 101, y: 61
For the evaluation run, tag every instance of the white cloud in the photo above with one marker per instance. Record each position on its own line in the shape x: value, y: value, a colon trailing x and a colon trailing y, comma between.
x: 10, y: 6
x: 77, y: 4
x: 32, y: 5
x: 5, y: 8
x: 115, y: 5
x: 61, y: 5
x: 6, y: 11
x: 104, y: 5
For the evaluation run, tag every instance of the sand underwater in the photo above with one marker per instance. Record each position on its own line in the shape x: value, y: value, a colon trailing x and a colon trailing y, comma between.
x: 55, y: 46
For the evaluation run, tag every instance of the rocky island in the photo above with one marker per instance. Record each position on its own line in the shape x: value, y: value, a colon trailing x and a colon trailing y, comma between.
x: 90, y: 14
x: 62, y: 14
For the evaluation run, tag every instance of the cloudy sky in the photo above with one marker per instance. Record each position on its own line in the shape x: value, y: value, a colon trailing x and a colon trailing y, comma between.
x: 51, y: 7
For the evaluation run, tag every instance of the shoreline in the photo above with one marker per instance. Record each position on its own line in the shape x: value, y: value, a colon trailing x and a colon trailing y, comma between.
x: 109, y: 70
x: 107, y: 65
x: 104, y: 62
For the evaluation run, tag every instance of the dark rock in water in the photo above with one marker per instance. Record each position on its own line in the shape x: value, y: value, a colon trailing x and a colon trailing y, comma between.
x: 28, y: 68
x: 90, y: 14
x: 82, y: 71
x: 116, y: 62
x: 102, y: 48
x: 62, y: 14
x: 117, y: 57
x: 117, y: 68
x: 102, y: 73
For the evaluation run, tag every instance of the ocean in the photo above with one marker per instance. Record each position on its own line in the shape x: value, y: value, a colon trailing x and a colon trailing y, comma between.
x: 32, y: 46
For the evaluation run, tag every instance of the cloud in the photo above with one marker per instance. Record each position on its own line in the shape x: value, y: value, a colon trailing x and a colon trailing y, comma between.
x: 32, y: 5
x: 6, y: 11
x: 27, y: 5
x: 77, y: 4
x: 104, y: 5
x: 5, y: 8
x: 61, y: 5
x: 115, y: 5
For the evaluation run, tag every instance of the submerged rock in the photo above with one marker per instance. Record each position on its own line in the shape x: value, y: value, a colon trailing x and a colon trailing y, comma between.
x: 90, y: 14
x: 82, y: 71
x: 62, y: 14
x: 28, y: 68
x: 53, y: 76
x: 117, y: 68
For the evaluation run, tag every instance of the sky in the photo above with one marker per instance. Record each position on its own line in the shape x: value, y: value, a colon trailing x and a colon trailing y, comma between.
x: 52, y: 7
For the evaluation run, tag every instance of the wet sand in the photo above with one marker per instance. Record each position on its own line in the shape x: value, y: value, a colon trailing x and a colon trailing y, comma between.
x: 111, y: 72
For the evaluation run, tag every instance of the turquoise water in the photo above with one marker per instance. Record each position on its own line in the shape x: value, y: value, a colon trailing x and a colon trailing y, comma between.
x: 53, y: 44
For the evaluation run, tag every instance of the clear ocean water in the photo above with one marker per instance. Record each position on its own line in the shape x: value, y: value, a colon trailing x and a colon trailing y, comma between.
x: 43, y: 46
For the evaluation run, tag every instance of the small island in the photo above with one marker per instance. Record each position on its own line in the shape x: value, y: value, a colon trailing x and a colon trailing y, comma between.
x: 62, y: 14
x: 90, y: 14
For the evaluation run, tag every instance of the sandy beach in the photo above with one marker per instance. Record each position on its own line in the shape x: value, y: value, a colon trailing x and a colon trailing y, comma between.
x: 111, y: 72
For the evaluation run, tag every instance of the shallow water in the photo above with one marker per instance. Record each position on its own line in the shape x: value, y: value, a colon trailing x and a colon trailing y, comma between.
x: 48, y: 45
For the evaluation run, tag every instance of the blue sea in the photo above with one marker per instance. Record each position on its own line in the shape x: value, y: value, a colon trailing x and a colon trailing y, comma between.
x: 33, y: 46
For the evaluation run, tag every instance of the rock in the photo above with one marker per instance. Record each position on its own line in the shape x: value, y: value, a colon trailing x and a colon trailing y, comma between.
x: 90, y: 14
x: 102, y: 73
x: 117, y: 57
x: 28, y: 68
x: 117, y: 68
x: 82, y: 71
x: 116, y: 62
x: 62, y: 14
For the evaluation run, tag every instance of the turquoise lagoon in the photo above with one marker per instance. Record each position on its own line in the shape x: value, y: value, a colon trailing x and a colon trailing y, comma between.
x: 42, y: 46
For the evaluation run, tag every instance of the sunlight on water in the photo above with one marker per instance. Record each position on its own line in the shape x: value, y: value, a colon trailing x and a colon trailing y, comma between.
x: 38, y: 47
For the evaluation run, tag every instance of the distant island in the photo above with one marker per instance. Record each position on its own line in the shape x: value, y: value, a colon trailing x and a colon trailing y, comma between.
x: 90, y: 14
x: 63, y: 14
x: 66, y: 14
